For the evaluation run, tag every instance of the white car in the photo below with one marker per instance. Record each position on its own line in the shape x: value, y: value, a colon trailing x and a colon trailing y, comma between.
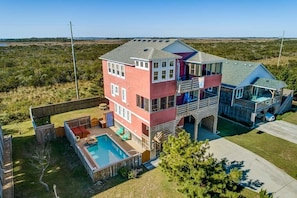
x: 269, y: 117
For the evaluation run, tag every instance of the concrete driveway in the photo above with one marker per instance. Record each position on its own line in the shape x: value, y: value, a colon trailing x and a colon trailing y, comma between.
x: 281, y: 129
x: 258, y: 172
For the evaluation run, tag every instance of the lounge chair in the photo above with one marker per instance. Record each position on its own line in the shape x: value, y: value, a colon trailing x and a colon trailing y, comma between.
x: 126, y: 136
x: 91, y: 140
x: 120, y: 131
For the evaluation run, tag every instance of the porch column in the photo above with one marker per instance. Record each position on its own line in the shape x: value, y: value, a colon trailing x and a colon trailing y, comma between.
x: 215, y: 124
x: 196, y: 129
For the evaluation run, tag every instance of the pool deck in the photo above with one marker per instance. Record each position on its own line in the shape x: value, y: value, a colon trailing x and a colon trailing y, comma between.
x: 95, y: 131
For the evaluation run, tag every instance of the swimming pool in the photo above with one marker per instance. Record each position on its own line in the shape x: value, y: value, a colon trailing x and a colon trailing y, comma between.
x: 106, y: 151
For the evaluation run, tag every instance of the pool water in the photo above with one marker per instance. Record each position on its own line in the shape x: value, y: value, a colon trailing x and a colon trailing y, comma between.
x: 106, y: 151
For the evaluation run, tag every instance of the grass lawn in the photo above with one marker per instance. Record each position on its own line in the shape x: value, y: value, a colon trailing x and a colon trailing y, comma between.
x: 290, y: 116
x: 278, y: 151
x: 69, y: 175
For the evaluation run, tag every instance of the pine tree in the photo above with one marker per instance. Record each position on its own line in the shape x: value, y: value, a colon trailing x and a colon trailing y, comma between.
x: 195, y: 170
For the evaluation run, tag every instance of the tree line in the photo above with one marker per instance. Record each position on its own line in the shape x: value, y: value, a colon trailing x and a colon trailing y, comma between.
x: 41, y: 65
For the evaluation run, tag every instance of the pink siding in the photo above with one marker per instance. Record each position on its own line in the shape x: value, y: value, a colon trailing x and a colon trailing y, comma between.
x: 135, y: 126
x: 162, y: 89
x: 163, y: 116
x: 212, y: 81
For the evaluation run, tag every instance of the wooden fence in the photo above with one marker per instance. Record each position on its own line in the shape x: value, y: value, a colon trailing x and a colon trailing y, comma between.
x: 94, y: 172
x: 43, y: 111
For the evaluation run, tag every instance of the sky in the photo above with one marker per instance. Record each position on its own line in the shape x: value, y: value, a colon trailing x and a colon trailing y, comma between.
x: 150, y: 18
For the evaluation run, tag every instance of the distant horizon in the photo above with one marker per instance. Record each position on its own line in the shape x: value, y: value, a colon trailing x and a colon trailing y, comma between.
x: 133, y: 19
x: 179, y: 37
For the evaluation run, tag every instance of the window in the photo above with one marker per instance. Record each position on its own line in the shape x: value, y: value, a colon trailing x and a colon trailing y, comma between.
x: 155, y: 105
x: 170, y: 101
x: 116, y: 108
x: 239, y: 93
x: 163, y: 70
x: 113, y: 68
x: 208, y: 69
x: 128, y: 116
x: 122, y: 71
x: 114, y: 89
x: 142, y: 64
x: 124, y: 99
x: 122, y: 112
x: 171, y: 73
x: 218, y: 68
x: 163, y: 74
x: 192, y: 69
x: 142, y: 102
x: 163, y: 103
x: 109, y: 67
x: 156, y: 75
x: 116, y: 69
x: 120, y: 109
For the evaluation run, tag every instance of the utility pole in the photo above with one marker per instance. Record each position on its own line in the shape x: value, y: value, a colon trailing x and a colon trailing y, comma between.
x: 280, y: 50
x: 74, y: 62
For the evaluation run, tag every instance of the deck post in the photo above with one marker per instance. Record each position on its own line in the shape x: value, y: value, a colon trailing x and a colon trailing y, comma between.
x: 196, y: 129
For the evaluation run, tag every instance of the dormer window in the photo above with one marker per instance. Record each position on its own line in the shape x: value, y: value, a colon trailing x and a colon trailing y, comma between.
x: 116, y: 69
x: 142, y: 64
x: 165, y: 72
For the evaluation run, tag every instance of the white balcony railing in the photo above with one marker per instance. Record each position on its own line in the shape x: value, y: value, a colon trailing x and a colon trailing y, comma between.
x: 187, y: 85
x: 188, y: 108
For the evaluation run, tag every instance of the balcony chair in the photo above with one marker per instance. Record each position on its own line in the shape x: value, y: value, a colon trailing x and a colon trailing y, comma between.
x: 120, y: 131
x: 126, y: 136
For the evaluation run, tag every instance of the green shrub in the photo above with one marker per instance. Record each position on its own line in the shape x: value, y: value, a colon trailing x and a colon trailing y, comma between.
x: 123, y: 171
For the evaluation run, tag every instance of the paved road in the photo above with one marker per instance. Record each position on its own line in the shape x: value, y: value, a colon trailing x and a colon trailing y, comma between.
x: 259, y: 173
x: 281, y: 129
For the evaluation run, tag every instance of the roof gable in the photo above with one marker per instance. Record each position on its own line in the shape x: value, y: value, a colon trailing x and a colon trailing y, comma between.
x: 203, y: 58
x: 269, y: 83
x: 235, y: 72
x: 179, y: 47
x: 144, y: 49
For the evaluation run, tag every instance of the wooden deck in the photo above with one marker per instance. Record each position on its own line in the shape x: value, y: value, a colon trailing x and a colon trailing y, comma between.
x: 95, y: 131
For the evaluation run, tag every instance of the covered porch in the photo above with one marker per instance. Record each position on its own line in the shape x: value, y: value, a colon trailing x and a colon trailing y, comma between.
x: 262, y: 95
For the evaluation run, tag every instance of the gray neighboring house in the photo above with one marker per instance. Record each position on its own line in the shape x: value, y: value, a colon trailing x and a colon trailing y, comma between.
x: 249, y: 91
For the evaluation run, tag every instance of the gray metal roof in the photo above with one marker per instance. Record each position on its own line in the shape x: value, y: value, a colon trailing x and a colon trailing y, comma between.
x: 269, y: 83
x: 147, y: 49
x: 203, y: 58
x: 234, y: 72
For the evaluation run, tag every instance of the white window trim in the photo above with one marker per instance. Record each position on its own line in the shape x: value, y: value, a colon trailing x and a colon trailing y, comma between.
x: 239, y: 93
x: 114, y: 89
x: 124, y: 95
x: 142, y: 64
x: 122, y: 112
x: 118, y: 69
x: 161, y: 68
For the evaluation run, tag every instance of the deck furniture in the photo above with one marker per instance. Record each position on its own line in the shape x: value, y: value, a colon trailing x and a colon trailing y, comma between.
x: 91, y: 140
x: 103, y: 106
x: 126, y: 136
x: 120, y: 131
